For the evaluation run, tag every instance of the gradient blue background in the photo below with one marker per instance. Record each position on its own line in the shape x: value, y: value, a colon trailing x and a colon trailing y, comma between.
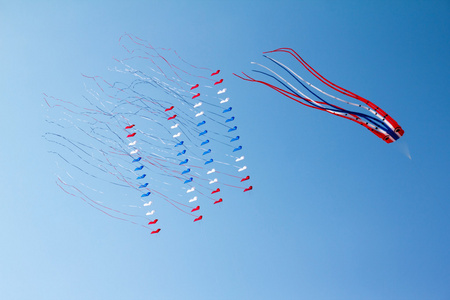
x: 335, y: 214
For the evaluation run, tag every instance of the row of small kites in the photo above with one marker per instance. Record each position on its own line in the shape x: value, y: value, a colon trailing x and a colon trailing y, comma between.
x: 162, y: 133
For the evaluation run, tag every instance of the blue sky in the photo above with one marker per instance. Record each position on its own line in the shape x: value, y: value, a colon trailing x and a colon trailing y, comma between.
x: 335, y: 213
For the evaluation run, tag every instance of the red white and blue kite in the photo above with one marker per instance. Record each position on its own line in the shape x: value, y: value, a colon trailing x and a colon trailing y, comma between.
x: 366, y: 114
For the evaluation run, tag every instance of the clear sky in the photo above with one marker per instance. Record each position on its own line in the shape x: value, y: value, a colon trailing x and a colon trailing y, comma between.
x: 335, y: 213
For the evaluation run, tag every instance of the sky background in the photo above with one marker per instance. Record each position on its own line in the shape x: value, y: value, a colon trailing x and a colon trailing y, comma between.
x: 335, y: 213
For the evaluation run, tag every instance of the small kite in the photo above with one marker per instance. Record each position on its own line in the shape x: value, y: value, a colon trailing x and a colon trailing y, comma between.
x: 148, y: 140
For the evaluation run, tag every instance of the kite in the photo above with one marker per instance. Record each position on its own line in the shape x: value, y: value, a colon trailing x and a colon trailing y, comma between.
x: 366, y: 114
x: 154, y: 136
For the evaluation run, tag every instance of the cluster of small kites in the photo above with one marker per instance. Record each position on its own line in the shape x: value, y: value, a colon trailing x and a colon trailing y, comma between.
x: 163, y: 133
